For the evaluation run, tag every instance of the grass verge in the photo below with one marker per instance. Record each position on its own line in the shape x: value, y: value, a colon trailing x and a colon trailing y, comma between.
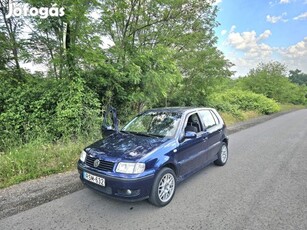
x: 37, y: 159
x: 231, y: 119
x: 287, y: 107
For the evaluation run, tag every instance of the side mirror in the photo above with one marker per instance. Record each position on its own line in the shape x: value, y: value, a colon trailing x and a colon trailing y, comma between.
x: 190, y: 135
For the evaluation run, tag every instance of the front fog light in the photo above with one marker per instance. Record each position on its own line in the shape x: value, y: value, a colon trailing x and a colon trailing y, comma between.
x: 83, y: 156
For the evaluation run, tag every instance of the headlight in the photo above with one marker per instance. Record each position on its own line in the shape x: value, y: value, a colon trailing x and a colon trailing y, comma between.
x: 82, y: 156
x: 130, y: 168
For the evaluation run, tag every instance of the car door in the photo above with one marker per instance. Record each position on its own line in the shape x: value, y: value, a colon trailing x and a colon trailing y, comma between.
x: 214, y: 128
x: 190, y: 154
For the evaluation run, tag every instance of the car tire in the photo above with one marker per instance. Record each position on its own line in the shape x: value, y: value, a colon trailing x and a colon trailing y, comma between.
x: 164, y: 187
x: 222, y: 155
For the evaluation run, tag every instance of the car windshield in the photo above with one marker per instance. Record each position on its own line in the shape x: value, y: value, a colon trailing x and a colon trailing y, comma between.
x: 160, y: 124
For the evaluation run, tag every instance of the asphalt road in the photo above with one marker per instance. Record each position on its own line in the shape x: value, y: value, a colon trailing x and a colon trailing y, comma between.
x: 263, y: 186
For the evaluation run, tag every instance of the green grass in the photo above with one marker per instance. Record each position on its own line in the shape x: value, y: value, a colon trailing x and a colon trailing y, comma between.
x: 287, y: 107
x: 230, y: 119
x: 38, y: 158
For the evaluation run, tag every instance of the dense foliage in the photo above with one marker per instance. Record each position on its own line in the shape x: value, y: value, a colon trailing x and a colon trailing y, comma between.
x: 298, y: 77
x: 235, y: 101
x: 270, y: 79
x: 45, y: 108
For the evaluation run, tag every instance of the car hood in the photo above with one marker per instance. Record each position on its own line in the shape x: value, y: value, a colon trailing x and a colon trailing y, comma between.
x: 125, y: 146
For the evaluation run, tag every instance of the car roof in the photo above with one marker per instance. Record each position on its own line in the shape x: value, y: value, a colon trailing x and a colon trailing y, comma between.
x: 176, y: 109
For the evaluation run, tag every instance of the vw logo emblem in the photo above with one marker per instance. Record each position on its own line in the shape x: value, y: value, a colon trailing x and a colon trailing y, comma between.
x: 96, y: 163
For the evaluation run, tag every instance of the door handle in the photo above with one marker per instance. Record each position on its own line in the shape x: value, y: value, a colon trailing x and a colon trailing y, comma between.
x: 220, y: 131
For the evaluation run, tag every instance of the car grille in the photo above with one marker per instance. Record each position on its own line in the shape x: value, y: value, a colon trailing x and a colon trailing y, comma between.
x: 104, y: 165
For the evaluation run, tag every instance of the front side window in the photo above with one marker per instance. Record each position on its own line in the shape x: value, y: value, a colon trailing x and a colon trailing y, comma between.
x: 207, y: 118
x: 161, y: 124
x: 193, y: 124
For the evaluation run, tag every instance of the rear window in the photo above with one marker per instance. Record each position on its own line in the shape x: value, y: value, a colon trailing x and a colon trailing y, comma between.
x: 207, y: 118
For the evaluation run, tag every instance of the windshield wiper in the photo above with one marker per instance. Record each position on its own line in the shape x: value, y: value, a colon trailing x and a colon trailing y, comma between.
x: 122, y: 131
x: 155, y: 135
x: 144, y: 134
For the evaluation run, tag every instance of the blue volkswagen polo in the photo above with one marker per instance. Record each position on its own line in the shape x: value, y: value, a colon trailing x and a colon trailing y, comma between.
x: 155, y: 151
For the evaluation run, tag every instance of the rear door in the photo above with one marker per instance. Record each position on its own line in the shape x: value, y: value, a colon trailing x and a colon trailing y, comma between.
x: 214, y: 128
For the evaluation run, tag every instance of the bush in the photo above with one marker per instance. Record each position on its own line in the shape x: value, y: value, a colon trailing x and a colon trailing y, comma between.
x: 42, y: 108
x: 234, y: 101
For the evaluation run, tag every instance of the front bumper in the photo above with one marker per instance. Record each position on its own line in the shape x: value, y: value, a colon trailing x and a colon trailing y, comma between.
x: 129, y: 189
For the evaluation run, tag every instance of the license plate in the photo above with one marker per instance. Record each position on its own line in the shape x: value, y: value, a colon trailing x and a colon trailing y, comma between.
x: 94, y: 179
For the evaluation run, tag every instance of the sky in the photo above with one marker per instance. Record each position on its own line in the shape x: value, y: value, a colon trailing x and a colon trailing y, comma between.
x: 254, y: 31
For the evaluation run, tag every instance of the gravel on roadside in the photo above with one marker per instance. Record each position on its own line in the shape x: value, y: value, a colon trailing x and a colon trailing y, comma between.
x: 30, y: 194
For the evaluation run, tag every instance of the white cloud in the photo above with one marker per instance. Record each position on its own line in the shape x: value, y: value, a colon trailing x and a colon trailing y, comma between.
x: 295, y: 56
x: 275, y: 19
x: 223, y: 32
x: 284, y: 1
x: 280, y: 2
x: 265, y: 34
x: 249, y: 42
x: 241, y: 41
x: 232, y: 29
x: 296, y: 51
x: 247, y: 49
x: 301, y: 16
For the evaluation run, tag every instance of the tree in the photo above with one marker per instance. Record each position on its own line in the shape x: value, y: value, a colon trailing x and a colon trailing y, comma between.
x: 67, y: 44
x: 181, y: 29
x: 4, y: 52
x: 298, y: 77
x: 270, y: 80
x: 11, y: 45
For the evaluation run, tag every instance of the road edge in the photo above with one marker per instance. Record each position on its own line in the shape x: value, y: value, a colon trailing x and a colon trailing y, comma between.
x: 29, y: 194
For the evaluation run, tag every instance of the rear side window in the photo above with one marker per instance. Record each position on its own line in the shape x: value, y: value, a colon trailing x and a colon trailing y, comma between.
x: 207, y: 118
